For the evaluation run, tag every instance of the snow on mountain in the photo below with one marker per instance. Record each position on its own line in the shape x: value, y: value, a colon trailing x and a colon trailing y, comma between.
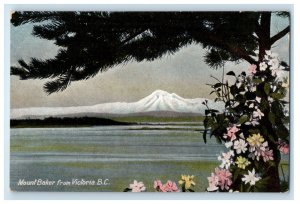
x: 157, y: 101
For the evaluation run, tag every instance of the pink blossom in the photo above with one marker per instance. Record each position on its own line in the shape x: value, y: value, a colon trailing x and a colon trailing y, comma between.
x: 170, y: 187
x: 213, y: 182
x: 261, y: 150
x: 231, y: 131
x: 157, y: 184
x: 283, y: 147
x: 137, y: 186
x: 221, y: 178
x: 252, y: 69
x: 267, y: 155
x: 224, y: 176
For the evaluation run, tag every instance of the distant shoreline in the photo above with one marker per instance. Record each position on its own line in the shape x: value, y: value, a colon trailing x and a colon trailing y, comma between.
x: 78, y: 122
x: 65, y: 122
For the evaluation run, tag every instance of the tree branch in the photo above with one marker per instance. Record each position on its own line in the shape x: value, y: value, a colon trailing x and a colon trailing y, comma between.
x: 133, y: 36
x: 235, y: 50
x: 279, y: 35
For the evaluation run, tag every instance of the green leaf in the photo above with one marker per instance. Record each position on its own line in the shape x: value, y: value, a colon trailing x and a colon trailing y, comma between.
x: 217, y: 85
x: 218, y: 140
x: 272, y: 118
x: 272, y: 163
x: 284, y: 64
x: 264, y: 105
x: 242, y: 188
x: 231, y: 73
x: 214, y: 110
x: 206, y: 112
x: 277, y: 95
x: 270, y: 136
x: 267, y: 88
x: 214, y: 127
x: 237, y: 172
x: 256, y: 81
x: 234, y: 90
x: 240, y: 98
x: 282, y: 132
x: 253, y: 131
x: 243, y: 119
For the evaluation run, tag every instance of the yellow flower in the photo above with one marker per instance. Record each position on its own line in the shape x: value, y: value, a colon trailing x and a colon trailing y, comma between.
x: 255, y: 140
x: 187, y: 181
x: 242, y: 162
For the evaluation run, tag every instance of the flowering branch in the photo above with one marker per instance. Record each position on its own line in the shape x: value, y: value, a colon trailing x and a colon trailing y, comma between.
x: 252, y: 128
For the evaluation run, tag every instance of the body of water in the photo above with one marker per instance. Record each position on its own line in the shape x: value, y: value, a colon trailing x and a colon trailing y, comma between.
x: 109, y: 158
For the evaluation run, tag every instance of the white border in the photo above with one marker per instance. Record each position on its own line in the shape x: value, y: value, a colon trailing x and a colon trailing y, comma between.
x: 92, y: 196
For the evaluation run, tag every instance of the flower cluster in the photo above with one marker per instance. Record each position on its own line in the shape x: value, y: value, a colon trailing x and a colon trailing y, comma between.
x: 251, y: 101
x: 170, y: 186
x: 254, y: 147
x: 272, y: 63
x: 259, y: 148
x: 186, y: 182
x: 220, y: 179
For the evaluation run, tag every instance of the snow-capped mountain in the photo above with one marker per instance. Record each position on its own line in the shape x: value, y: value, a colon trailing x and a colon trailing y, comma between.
x: 158, y: 101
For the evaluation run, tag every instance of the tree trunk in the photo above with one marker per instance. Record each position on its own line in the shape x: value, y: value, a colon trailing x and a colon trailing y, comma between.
x: 264, y: 34
x: 272, y: 171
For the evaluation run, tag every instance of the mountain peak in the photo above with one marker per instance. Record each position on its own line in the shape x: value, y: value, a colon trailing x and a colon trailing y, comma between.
x: 160, y: 92
x: 158, y: 101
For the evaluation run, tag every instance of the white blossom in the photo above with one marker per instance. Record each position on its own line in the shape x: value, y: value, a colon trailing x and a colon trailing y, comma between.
x: 273, y: 87
x: 258, y: 114
x: 276, y: 71
x: 240, y: 146
x: 270, y: 54
x: 228, y: 144
x: 258, y: 99
x: 226, y: 159
x: 242, y: 136
x: 251, y: 178
x: 263, y: 66
x: 253, y: 122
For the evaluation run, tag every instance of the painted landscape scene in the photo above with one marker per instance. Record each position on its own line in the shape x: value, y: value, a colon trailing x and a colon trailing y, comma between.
x: 150, y: 101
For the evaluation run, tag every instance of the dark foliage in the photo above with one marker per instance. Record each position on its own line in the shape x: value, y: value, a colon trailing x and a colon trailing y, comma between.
x: 92, y: 42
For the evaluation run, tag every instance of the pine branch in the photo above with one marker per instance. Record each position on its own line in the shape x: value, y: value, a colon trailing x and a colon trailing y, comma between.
x: 279, y: 35
x: 233, y: 49
x: 133, y: 36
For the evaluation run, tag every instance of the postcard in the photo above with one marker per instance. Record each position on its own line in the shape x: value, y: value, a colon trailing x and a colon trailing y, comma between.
x: 105, y: 101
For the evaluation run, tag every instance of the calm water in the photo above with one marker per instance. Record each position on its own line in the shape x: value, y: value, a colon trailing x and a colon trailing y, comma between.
x: 111, y: 156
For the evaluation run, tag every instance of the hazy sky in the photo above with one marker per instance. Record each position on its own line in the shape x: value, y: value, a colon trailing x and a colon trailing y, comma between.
x: 184, y: 73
